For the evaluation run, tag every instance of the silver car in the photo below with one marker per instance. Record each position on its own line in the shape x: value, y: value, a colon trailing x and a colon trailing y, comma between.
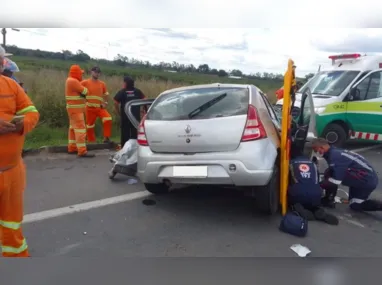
x: 216, y: 134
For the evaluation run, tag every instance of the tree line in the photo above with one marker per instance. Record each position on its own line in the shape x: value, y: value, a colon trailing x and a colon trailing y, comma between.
x: 130, y: 62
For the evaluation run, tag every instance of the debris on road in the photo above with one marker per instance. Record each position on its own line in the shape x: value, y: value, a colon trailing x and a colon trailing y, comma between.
x: 301, y: 250
x: 132, y: 181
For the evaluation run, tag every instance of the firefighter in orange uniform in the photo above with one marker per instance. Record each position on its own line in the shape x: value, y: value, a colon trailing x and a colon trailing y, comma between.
x: 96, y: 103
x: 13, y: 102
x: 75, y: 95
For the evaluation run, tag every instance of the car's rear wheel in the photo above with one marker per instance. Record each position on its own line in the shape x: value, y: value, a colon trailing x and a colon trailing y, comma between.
x: 157, y: 189
x: 267, y: 198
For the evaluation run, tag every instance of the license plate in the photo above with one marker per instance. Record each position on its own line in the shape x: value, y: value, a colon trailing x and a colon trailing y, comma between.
x: 190, y: 171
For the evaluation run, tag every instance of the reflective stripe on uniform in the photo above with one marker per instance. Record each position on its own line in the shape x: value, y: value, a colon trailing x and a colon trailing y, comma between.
x: 74, y: 98
x: 75, y: 106
x: 106, y: 119
x: 72, y: 141
x: 90, y: 126
x: 29, y: 109
x: 81, y: 144
x: 80, y: 131
x: 356, y: 159
x: 334, y: 181
x: 94, y: 98
x: 15, y: 250
x: 85, y: 91
x: 10, y: 225
x: 355, y: 200
x: 95, y: 105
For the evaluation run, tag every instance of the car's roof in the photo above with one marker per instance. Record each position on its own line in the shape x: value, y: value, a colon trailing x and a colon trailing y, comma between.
x: 207, y: 86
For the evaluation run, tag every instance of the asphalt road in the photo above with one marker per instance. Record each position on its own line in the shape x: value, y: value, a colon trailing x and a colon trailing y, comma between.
x: 188, y: 222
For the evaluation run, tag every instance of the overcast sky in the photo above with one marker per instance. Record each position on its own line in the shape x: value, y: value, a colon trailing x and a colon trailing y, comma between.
x: 317, y: 30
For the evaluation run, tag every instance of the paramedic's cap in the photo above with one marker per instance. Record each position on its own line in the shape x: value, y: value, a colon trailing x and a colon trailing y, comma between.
x: 96, y: 69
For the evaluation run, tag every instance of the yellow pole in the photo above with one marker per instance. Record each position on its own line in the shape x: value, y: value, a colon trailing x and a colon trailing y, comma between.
x: 289, y: 79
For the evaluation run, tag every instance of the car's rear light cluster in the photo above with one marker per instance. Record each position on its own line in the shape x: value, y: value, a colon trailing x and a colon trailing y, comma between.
x: 141, y: 139
x: 254, y: 128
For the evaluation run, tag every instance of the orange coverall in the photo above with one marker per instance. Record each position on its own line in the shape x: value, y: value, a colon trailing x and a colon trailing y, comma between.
x: 75, y: 105
x: 13, y: 101
x: 95, y: 108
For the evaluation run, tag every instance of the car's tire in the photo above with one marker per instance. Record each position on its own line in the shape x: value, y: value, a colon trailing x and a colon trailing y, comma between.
x: 335, y: 134
x: 267, y: 198
x: 157, y: 189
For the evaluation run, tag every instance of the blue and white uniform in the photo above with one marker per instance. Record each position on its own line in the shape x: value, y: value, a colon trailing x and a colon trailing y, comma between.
x: 352, y: 170
x: 304, y: 187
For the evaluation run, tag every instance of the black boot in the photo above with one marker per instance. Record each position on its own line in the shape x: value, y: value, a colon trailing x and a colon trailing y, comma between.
x: 325, y: 217
x: 367, y: 206
x: 304, y: 213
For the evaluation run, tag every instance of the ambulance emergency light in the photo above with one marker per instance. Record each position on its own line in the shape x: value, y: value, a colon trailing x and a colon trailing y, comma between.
x: 344, y: 56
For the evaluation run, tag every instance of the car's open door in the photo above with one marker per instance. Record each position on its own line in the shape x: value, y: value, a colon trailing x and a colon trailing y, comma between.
x: 294, y: 134
x: 304, y: 128
x: 145, y: 103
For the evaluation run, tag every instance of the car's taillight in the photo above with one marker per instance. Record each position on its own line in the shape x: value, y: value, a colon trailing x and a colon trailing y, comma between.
x: 142, y: 140
x: 254, y: 128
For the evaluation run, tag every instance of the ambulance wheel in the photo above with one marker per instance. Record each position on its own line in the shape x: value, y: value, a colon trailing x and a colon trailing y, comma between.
x: 335, y: 134
x: 157, y: 189
x: 267, y: 198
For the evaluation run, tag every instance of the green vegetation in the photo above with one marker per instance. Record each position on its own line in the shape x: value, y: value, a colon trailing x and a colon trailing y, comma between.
x: 44, y: 73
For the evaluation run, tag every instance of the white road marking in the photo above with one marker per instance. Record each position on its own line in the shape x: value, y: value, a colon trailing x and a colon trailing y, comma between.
x: 355, y: 223
x: 362, y: 149
x: 49, y: 214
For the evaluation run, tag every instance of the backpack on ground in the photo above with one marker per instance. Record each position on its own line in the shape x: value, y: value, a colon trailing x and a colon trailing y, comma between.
x: 292, y: 223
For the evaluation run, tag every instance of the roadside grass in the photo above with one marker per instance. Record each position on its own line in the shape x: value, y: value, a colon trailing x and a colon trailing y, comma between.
x: 46, y: 88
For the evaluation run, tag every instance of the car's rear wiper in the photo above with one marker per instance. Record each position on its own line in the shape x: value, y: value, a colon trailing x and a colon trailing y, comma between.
x: 206, y: 105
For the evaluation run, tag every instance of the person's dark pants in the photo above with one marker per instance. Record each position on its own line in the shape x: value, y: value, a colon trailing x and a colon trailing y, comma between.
x: 309, y: 197
x: 360, y: 191
x: 128, y: 131
x: 306, y: 201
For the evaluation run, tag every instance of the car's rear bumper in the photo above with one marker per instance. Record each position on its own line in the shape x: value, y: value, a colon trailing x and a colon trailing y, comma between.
x: 255, y: 170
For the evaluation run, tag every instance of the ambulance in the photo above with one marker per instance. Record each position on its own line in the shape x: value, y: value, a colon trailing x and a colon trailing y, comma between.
x: 347, y: 99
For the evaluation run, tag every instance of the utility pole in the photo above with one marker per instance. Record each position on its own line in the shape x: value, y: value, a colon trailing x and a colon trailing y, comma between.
x: 4, y: 33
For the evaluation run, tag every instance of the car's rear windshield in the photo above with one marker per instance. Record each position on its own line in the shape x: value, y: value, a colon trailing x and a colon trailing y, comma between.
x: 201, y: 103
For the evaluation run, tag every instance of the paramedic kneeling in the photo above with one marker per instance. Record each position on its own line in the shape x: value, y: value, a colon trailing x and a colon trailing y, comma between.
x: 304, y: 191
x: 349, y: 169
